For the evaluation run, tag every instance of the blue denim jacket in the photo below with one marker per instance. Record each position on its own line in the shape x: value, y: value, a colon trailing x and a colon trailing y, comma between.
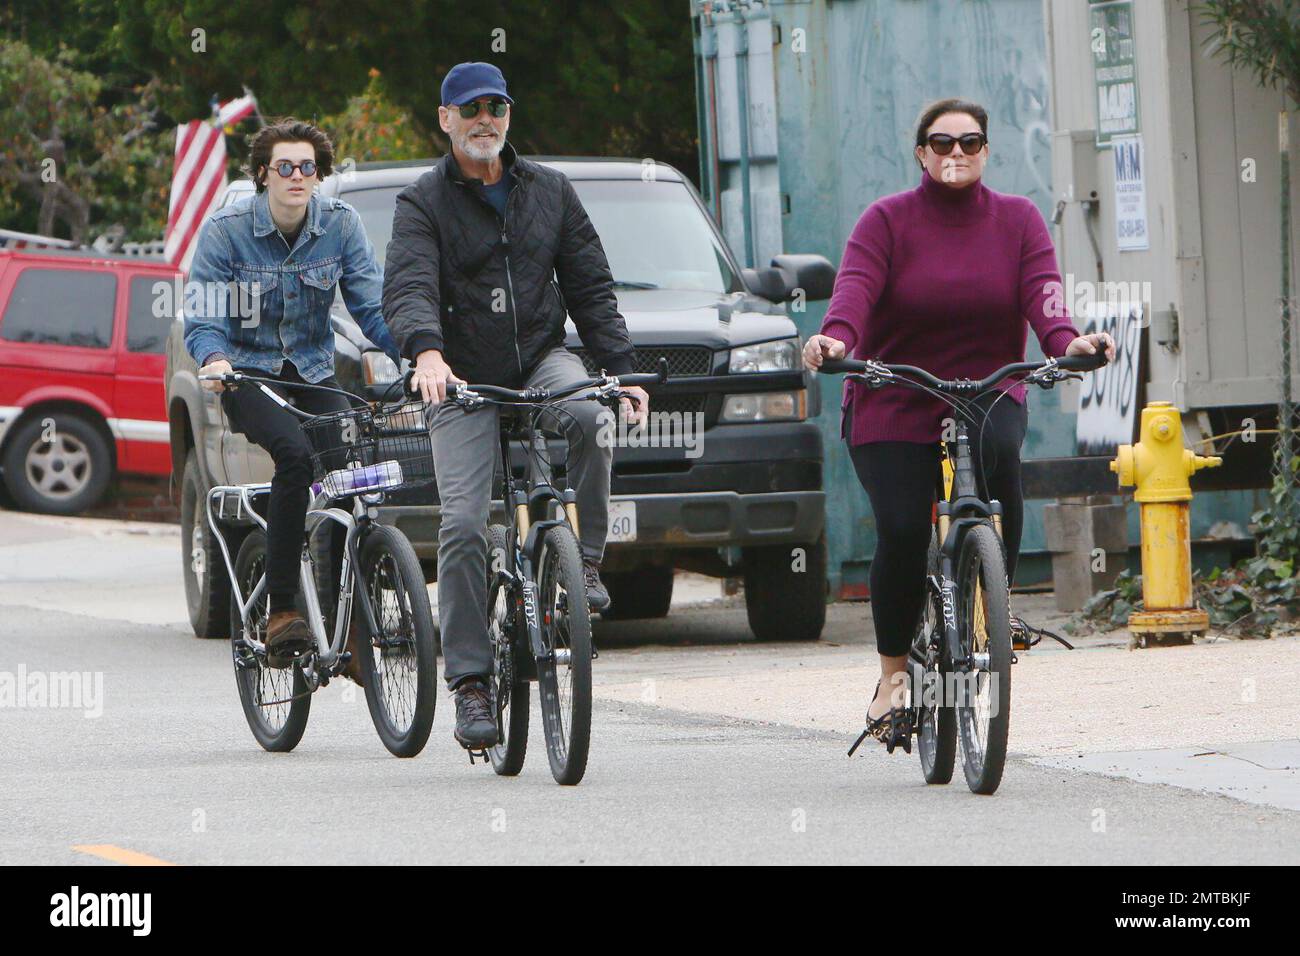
x: 279, y: 304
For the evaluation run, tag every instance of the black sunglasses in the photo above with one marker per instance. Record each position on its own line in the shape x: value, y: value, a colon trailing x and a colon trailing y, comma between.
x: 286, y: 168
x: 942, y: 143
x: 495, y: 108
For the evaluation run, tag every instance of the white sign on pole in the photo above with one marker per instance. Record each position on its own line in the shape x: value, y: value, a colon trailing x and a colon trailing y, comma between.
x: 1108, y: 396
x: 1130, y: 194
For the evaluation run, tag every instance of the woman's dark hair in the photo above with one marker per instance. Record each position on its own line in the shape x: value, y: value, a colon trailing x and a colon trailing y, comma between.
x: 288, y: 130
x: 943, y: 107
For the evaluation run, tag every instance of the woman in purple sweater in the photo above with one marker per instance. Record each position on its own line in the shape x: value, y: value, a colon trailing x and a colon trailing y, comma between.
x: 946, y: 276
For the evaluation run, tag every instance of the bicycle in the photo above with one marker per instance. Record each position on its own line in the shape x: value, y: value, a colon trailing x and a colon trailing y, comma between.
x: 539, y: 622
x: 357, y: 455
x: 959, y: 663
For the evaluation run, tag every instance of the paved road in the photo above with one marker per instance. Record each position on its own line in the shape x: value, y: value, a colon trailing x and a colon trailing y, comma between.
x: 706, y: 749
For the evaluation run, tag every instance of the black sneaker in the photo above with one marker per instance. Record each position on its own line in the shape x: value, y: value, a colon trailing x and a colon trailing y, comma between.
x: 476, y: 728
x: 597, y: 596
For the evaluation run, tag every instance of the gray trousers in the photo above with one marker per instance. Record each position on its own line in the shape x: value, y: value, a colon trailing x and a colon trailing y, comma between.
x: 466, y: 446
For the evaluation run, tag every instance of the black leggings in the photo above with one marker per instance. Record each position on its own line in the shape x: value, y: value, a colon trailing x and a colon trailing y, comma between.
x: 278, y: 431
x: 900, y: 478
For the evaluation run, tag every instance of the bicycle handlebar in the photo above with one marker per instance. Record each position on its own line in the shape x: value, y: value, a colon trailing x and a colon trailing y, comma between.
x: 536, y: 395
x: 879, y: 370
x: 234, y: 379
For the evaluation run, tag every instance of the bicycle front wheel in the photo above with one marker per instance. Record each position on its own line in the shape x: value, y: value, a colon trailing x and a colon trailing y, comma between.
x: 276, y: 701
x: 984, y: 689
x: 399, y: 663
x: 509, y: 686
x: 931, y: 666
x: 564, y: 678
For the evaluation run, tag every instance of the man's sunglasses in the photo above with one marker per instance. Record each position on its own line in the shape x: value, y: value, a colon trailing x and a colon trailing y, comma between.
x: 495, y: 108
x: 286, y: 168
x: 942, y: 143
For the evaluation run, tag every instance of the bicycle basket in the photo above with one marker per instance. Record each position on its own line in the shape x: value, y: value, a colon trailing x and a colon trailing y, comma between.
x: 363, y: 450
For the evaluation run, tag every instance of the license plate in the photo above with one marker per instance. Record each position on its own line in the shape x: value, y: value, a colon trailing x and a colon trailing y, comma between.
x: 622, y: 521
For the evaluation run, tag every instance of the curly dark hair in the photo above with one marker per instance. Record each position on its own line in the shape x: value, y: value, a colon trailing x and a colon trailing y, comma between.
x: 943, y: 107
x: 288, y: 130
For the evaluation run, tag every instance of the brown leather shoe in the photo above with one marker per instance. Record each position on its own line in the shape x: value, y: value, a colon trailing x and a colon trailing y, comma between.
x: 287, y: 635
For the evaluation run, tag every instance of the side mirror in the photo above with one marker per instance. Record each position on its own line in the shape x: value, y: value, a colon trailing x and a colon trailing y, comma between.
x: 813, y: 274
x: 768, y: 283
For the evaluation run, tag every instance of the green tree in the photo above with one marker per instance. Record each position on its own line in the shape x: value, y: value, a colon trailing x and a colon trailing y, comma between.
x: 68, y: 161
x: 372, y: 128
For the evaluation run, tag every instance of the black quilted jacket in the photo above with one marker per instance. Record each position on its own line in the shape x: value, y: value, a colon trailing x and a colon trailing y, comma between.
x: 492, y: 295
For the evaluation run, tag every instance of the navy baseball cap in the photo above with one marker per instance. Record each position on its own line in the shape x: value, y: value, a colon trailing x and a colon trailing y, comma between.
x: 466, y: 82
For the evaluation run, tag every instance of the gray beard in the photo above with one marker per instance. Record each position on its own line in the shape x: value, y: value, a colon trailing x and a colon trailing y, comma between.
x: 476, y: 152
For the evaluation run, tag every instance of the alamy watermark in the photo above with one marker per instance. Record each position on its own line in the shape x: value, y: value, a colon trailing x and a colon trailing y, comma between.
x: 235, y: 299
x: 54, y: 690
x: 658, y: 430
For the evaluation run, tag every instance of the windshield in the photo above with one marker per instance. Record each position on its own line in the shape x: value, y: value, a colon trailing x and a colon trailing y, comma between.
x: 376, y: 207
x: 655, y: 236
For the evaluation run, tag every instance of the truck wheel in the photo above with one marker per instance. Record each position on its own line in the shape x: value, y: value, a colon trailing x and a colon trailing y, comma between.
x: 785, y: 599
x: 638, y: 594
x: 207, y: 586
x: 57, y: 464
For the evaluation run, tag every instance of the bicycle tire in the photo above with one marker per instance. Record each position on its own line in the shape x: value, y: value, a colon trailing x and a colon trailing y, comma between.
x: 278, y: 727
x: 936, y: 717
x: 984, y: 622
x: 510, y: 693
x: 565, y: 619
x: 403, y: 657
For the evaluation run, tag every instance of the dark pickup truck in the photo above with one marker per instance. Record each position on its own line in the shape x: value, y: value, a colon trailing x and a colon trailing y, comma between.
x: 739, y: 497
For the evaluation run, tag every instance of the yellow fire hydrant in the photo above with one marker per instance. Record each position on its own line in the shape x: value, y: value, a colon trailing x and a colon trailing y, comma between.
x: 1159, y: 466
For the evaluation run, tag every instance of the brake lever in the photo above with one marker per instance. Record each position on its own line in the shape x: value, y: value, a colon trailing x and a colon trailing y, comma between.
x: 871, y: 381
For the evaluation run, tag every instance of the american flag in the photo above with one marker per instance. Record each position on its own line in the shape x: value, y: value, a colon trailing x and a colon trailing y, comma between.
x: 199, y: 176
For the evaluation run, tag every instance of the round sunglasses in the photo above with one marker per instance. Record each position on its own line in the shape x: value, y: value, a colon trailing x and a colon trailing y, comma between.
x: 286, y: 168
x: 496, y: 107
x: 942, y: 143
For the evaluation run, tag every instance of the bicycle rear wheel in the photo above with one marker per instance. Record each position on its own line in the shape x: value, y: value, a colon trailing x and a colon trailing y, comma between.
x: 930, y: 664
x: 399, y: 665
x: 984, y: 692
x: 564, y: 679
x: 276, y: 701
x: 510, y: 694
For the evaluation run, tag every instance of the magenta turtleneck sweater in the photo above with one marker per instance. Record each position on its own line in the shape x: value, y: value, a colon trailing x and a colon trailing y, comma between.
x: 945, y: 279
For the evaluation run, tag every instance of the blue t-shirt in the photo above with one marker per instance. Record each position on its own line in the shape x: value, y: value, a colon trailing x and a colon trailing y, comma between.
x: 499, y: 192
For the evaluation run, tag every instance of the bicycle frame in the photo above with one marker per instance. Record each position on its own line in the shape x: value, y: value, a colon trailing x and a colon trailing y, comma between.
x: 960, y: 509
x: 528, y: 506
x: 327, y: 650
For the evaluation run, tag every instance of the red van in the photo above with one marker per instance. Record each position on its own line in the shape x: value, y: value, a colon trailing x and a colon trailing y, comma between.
x: 82, y: 337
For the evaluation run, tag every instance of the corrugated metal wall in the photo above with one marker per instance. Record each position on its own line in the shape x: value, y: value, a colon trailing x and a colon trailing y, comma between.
x: 830, y: 93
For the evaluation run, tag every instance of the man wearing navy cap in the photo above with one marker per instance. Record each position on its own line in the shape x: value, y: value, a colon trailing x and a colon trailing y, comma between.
x: 489, y: 252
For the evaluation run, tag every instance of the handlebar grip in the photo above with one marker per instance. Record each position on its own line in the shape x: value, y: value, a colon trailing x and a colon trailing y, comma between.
x: 834, y: 366
x: 1082, y: 363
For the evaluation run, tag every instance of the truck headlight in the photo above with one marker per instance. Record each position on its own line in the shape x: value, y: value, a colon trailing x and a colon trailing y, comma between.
x: 378, y: 368
x: 766, y: 407
x: 781, y: 355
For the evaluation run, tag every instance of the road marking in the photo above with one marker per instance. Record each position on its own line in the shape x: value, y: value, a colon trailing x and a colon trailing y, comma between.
x: 116, y: 854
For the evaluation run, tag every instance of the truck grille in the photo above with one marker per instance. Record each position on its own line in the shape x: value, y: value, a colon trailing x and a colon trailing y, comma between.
x: 683, y: 362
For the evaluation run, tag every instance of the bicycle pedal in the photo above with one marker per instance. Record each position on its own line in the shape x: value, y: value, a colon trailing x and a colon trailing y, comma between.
x: 480, y: 754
